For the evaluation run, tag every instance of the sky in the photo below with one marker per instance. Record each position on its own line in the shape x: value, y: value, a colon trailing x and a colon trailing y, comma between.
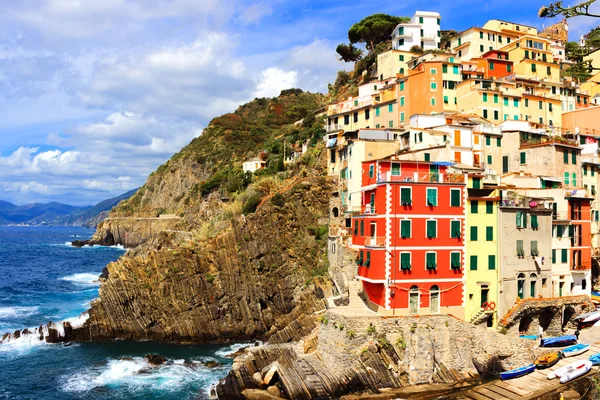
x: 95, y: 95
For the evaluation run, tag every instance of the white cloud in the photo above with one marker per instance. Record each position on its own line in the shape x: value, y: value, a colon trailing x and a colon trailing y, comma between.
x: 254, y: 13
x: 273, y: 80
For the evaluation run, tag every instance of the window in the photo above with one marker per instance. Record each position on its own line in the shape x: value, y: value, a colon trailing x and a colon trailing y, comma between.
x: 455, y: 230
x: 473, y: 263
x: 519, y: 219
x: 584, y: 170
x: 431, y: 229
x: 520, y: 249
x: 485, y: 97
x: 480, y: 35
x: 444, y: 68
x: 504, y: 164
x: 574, y: 158
x: 489, y: 160
x: 431, y: 197
x: 526, y: 102
x: 368, y: 260
x: 488, y: 141
x: 367, y: 113
x: 481, y: 48
x: 566, y: 156
x: 431, y: 262
x: 420, y: 20
x: 455, y: 197
x: 476, y: 183
x: 491, y: 262
x: 433, y: 86
x: 402, y: 116
x: 521, y: 286
x: 495, y: 98
x: 563, y: 256
x: 473, y: 233
x: 346, y: 119
x: 445, y: 99
x: 593, y: 190
x: 534, y: 248
x: 396, y: 169
x: 433, y: 101
x: 516, y: 102
x: 426, y: 156
x: 401, y: 57
x: 402, y: 101
x: 401, y: 42
x: 553, y: 256
x: 405, y: 261
x: 390, y: 123
x: 377, y: 111
x: 532, y: 284
x: 489, y: 207
x: 489, y: 233
x: 508, y: 68
x: 455, y: 69
x: 574, y: 179
x: 540, y: 105
x: 485, y: 114
x: 406, y: 196
x: 455, y: 260
x: 402, y: 86
x: 491, y: 66
x: 433, y: 71
x: 533, y: 68
x: 523, y: 157
x: 371, y: 171
x: 474, y: 206
x: 534, y: 222
x: 496, y: 115
x: 360, y: 259
x: 362, y: 227
x: 548, y: 70
x: 506, y: 101
x: 405, y: 229
x: 566, y: 178
x: 413, y: 300
x: 438, y: 21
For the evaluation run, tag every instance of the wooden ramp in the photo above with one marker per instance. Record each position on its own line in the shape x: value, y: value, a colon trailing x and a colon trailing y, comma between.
x: 529, y: 386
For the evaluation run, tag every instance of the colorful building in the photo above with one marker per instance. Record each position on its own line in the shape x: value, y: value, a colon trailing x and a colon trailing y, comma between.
x: 410, y: 237
x: 423, y: 30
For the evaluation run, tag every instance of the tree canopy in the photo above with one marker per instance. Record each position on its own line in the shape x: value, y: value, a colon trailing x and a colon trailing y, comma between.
x: 374, y: 29
x: 348, y: 52
x: 556, y: 9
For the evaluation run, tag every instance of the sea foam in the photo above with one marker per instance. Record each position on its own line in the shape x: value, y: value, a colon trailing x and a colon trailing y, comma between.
x: 17, y: 312
x: 83, y: 279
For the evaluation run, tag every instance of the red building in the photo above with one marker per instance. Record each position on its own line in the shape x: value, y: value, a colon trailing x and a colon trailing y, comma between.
x: 580, y: 232
x: 495, y: 64
x: 410, y: 237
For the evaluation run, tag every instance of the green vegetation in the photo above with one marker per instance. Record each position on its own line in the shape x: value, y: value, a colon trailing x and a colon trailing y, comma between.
x: 210, y: 278
x: 384, y: 343
x: 350, y: 334
x: 323, y: 320
x: 371, y: 330
x: 400, y: 342
x: 319, y: 232
x: 374, y: 29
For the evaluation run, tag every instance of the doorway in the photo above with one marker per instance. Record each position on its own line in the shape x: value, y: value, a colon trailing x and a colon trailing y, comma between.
x: 413, y: 303
x: 434, y: 303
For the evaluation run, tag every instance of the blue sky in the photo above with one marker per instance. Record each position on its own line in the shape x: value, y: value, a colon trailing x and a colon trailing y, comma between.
x: 94, y: 95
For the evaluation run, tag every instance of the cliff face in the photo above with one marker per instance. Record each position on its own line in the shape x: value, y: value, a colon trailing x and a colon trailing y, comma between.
x: 254, y: 278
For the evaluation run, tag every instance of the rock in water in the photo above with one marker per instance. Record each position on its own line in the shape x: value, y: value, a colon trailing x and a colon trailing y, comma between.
x: 79, y: 243
x: 17, y: 334
x: 155, y: 359
x: 211, y: 364
x: 258, y: 394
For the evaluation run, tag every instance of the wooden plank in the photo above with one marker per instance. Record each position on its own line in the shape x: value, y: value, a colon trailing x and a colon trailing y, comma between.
x: 513, y: 388
x: 532, y: 382
x: 476, y: 396
x: 525, y: 387
x: 503, y: 392
x: 488, y: 393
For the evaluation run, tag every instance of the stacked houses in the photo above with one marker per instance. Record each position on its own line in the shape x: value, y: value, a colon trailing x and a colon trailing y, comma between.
x: 467, y: 177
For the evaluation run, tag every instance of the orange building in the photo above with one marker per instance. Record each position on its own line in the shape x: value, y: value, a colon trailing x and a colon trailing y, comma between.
x: 495, y: 64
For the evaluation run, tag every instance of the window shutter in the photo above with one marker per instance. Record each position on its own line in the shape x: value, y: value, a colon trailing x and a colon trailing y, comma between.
x: 431, y: 197
x: 368, y: 262
x: 405, y: 261
x: 489, y: 207
x: 362, y: 228
x: 534, y: 248
x: 455, y: 198
x: 524, y: 220
x: 395, y: 169
x: 431, y: 229
x: 489, y: 233
x: 553, y: 256
x: 519, y: 219
x: 405, y: 229
x: 492, y: 262
x: 473, y: 233
x: 534, y: 222
x: 455, y: 261
x: 573, y: 157
x: 360, y: 258
x: 476, y: 183
x: 455, y: 229
x: 431, y: 264
x: 405, y: 197
x: 563, y: 256
x: 473, y: 263
x: 474, y: 207
x: 520, y: 248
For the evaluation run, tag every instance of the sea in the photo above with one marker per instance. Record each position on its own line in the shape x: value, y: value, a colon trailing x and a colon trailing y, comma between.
x: 43, y: 278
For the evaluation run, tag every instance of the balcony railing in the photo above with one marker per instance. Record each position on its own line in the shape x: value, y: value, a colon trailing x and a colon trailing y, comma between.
x: 375, y: 242
x: 424, y: 177
x: 334, y: 127
x: 367, y: 209
x: 549, y: 140
x: 582, y: 266
x: 339, y: 231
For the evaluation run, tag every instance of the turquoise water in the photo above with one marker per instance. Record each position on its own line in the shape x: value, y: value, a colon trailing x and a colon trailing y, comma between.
x: 43, y: 278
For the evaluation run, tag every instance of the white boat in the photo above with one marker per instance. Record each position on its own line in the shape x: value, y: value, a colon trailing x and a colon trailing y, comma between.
x: 597, y: 323
x: 582, y: 368
x: 592, y: 317
x: 559, y: 373
x: 575, y: 350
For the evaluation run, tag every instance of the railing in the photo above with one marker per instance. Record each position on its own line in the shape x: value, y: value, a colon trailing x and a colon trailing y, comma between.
x: 492, y: 179
x: 582, y: 266
x: 339, y: 231
x: 549, y: 140
x: 578, y: 193
x: 425, y: 177
x: 334, y: 127
x: 368, y: 210
x: 375, y: 242
x: 347, y: 106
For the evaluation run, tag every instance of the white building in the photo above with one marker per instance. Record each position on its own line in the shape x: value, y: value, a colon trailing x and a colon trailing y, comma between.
x: 253, y: 165
x: 423, y: 30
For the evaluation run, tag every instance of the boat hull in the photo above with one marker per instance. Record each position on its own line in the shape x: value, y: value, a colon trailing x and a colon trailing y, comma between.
x: 515, y: 373
x: 580, y: 370
x: 548, y: 360
x: 575, y: 350
x: 559, y: 341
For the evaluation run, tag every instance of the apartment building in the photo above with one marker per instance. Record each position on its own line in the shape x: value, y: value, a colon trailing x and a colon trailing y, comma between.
x: 422, y: 30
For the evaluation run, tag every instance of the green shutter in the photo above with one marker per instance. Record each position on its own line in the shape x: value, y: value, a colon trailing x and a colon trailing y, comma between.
x: 489, y: 160
x: 563, y: 256
x: 431, y: 197
x: 534, y: 222
x: 362, y: 227
x: 476, y: 183
x: 405, y: 261
x: 426, y: 156
x: 431, y: 262
x: 473, y: 233
x: 534, y: 248
x: 431, y: 229
x: 455, y: 198
x: 455, y: 260
x: 473, y: 263
x: 498, y: 142
x: 573, y: 157
x: 355, y: 228
x: 566, y: 178
x: 360, y: 258
x: 523, y: 157
x: 405, y: 228
x: 574, y: 179
x: 553, y: 256
x: 488, y: 140
x: 368, y: 262
x: 559, y: 230
x: 489, y: 207
x: 405, y: 197
x: 455, y: 231
x: 524, y: 220
x: 520, y: 248
x: 566, y: 156
x: 489, y: 233
x: 491, y: 262
x: 474, y: 206
x: 519, y: 219
x: 395, y: 169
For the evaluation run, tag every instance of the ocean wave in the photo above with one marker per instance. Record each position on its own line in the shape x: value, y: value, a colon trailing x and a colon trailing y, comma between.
x: 83, y: 279
x: 227, y: 351
x: 78, y: 321
x: 135, y: 374
x: 17, y: 312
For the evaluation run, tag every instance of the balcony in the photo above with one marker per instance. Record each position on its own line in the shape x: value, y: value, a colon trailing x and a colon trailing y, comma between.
x: 334, y: 127
x: 577, y: 194
x: 337, y: 231
x: 582, y: 266
x: 375, y: 242
x: 491, y: 179
x: 425, y: 177
x: 548, y: 140
x: 368, y: 210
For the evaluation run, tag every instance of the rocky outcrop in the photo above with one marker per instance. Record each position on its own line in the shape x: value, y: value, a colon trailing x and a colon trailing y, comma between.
x: 253, y: 279
x: 132, y: 232
x: 367, y: 355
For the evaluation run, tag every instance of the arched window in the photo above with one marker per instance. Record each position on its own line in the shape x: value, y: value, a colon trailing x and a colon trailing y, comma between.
x: 434, y: 301
x: 336, y: 212
x: 413, y: 300
x: 521, y: 286
x: 532, y: 284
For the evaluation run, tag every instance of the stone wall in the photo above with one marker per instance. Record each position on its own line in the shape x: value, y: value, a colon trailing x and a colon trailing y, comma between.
x: 553, y: 315
x: 342, y: 264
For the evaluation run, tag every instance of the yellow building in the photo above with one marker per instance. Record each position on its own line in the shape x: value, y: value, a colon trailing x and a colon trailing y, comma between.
x: 475, y: 42
x: 482, y: 263
x: 592, y: 85
x: 392, y: 63
x: 532, y: 57
x: 510, y: 28
x: 499, y: 101
x: 594, y: 58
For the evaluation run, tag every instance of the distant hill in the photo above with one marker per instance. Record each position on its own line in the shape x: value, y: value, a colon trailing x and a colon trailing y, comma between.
x: 57, y: 213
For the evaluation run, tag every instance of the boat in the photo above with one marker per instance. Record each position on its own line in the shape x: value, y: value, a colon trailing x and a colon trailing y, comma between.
x: 595, y: 297
x: 580, y: 369
x: 565, y: 370
x: 595, y: 316
x: 584, y: 316
x: 575, y: 350
x: 515, y: 373
x: 531, y: 337
x: 595, y: 359
x: 548, y: 360
x: 559, y: 341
